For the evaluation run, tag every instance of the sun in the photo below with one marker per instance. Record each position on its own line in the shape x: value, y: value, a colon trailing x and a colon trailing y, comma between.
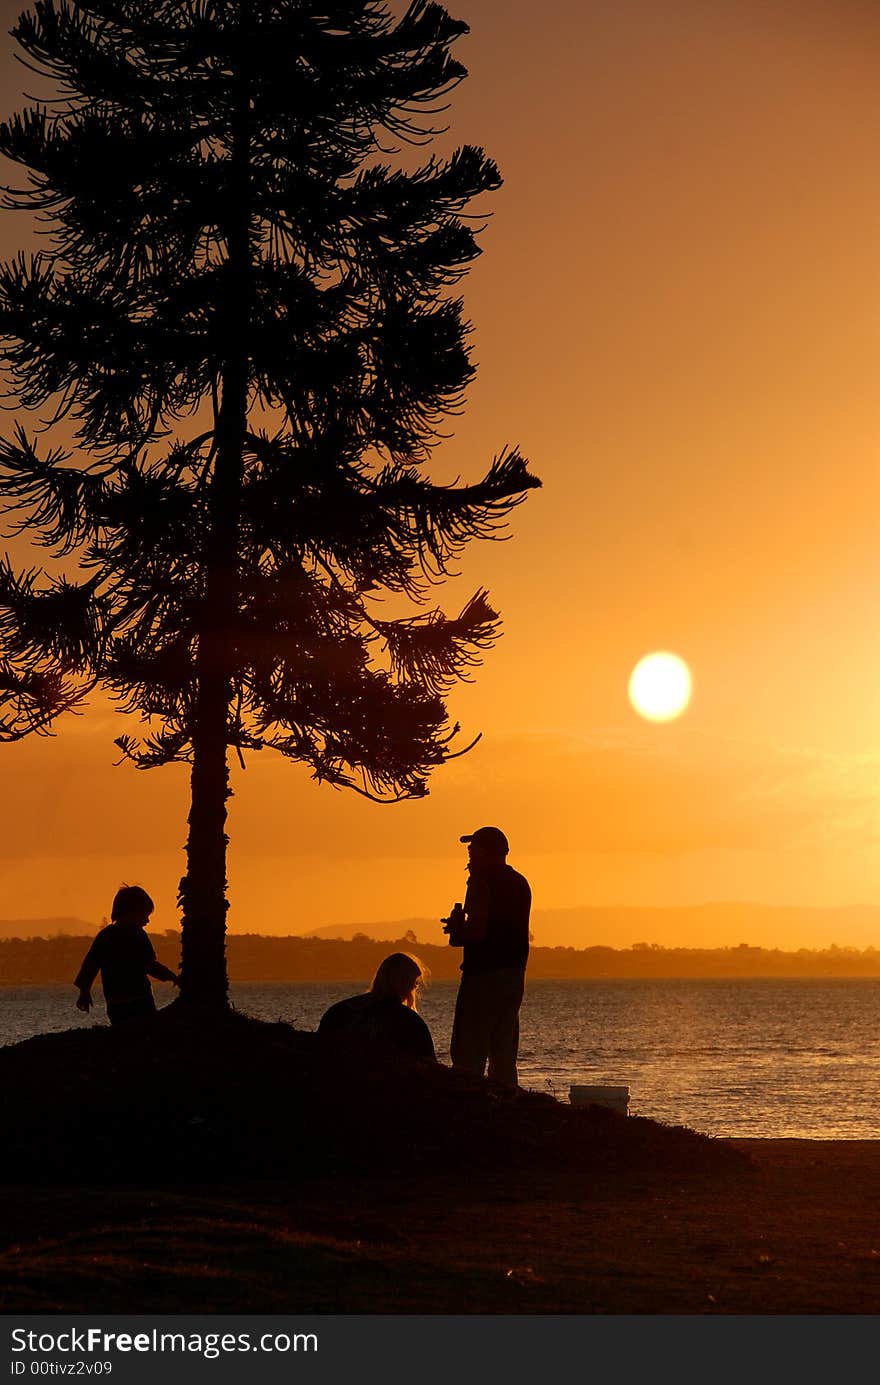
x: 660, y: 686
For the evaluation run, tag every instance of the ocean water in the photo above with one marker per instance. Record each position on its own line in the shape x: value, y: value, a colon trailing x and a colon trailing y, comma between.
x: 771, y: 1058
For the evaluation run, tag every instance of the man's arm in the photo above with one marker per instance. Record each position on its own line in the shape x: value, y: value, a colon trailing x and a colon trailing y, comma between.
x: 471, y: 928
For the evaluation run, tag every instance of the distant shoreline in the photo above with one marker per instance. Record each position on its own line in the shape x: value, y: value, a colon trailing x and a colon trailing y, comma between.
x: 717, y: 926
x: 267, y: 959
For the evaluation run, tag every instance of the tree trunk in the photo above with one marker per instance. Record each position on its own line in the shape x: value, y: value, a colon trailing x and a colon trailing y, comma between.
x: 203, y: 889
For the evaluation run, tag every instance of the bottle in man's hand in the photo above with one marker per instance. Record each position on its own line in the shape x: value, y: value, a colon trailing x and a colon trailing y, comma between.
x: 453, y: 923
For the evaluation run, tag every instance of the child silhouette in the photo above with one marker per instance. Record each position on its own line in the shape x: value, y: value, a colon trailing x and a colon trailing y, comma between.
x: 124, y: 956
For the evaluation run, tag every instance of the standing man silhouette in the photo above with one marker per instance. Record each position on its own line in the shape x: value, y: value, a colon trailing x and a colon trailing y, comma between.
x: 493, y: 929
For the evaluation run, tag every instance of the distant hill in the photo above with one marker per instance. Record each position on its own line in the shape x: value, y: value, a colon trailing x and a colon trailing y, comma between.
x: 425, y: 930
x: 717, y: 925
x: 713, y: 925
x: 255, y: 958
x: 698, y: 925
x: 45, y: 928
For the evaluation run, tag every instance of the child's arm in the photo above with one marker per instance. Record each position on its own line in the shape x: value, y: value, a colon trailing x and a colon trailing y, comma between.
x: 84, y: 978
x: 162, y: 973
x: 152, y: 965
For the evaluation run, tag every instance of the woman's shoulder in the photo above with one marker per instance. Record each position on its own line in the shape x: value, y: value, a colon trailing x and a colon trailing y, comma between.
x: 413, y: 1032
x: 413, y: 1019
x: 343, y: 1011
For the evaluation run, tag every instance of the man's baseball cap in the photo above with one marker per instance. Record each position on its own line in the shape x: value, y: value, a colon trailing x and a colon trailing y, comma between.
x: 490, y: 838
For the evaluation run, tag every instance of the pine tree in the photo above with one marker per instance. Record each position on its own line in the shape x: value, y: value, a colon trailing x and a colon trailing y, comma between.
x: 244, y: 324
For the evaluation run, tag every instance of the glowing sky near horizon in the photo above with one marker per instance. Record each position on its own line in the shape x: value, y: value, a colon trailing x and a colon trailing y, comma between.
x: 676, y: 318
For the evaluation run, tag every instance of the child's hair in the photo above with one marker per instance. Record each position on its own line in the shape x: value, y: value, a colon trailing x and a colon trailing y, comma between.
x: 128, y: 900
x: 400, y: 977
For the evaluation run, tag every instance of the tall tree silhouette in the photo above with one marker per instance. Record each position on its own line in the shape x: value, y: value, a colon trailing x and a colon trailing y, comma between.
x: 243, y: 325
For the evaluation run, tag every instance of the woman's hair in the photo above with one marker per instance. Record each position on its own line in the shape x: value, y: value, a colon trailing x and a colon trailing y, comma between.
x: 400, y: 977
x: 130, y: 899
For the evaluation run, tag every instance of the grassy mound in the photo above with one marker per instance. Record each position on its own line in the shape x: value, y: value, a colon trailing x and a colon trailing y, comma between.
x: 172, y: 1098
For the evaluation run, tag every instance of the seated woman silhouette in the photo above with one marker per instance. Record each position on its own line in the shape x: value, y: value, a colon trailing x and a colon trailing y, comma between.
x: 386, y: 1013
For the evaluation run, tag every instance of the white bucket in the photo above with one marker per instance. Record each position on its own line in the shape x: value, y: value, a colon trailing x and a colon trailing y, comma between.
x: 617, y: 1098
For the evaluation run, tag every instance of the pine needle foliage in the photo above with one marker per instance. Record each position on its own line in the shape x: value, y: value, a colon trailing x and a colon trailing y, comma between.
x: 243, y: 323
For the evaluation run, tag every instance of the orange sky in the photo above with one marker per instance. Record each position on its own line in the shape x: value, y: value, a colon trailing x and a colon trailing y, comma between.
x: 677, y: 319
